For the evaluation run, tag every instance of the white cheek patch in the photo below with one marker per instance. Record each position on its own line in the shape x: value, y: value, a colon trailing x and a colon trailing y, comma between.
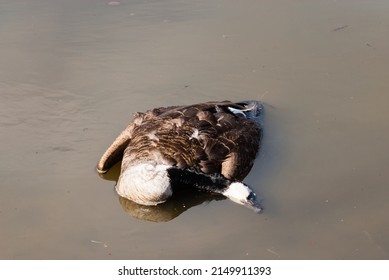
x: 237, y: 192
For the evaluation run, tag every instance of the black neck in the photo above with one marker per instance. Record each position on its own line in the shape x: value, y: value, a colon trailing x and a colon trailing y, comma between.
x: 189, y: 178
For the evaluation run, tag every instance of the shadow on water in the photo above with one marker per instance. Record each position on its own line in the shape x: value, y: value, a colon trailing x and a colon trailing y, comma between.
x: 169, y: 210
x: 172, y: 208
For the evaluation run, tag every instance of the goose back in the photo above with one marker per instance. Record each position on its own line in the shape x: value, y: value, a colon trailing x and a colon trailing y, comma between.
x: 213, y: 137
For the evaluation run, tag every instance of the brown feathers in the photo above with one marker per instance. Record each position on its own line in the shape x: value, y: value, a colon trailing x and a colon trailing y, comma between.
x: 213, y: 137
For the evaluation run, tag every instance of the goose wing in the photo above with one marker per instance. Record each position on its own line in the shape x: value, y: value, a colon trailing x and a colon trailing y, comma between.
x: 223, y: 136
x: 242, y: 154
x: 115, y: 152
x: 230, y: 140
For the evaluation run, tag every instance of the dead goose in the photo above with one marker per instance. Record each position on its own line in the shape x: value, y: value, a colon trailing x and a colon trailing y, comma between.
x: 208, y: 146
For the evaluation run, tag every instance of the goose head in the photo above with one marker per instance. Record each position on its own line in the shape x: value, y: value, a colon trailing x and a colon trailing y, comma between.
x: 242, y: 194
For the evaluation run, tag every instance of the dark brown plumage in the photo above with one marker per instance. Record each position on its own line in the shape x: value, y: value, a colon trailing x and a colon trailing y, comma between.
x: 208, y: 137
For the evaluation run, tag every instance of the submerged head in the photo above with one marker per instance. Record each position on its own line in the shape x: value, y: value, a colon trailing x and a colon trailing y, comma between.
x: 242, y: 194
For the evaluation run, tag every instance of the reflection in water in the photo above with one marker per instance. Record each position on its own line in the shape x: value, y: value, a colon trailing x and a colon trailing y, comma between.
x: 169, y: 210
x: 113, y: 173
x: 172, y: 208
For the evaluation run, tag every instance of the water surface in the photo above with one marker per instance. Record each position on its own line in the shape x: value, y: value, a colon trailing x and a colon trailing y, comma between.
x: 72, y: 73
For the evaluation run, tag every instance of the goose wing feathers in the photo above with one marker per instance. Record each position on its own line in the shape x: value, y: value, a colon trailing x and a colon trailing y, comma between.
x: 210, y: 137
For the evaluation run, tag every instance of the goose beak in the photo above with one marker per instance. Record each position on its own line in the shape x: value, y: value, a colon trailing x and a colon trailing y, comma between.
x: 253, y: 204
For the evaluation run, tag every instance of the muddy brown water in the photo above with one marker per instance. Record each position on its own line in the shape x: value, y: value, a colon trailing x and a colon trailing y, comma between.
x: 73, y: 72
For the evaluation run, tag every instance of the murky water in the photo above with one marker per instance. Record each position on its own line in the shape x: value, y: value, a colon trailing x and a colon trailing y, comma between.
x: 73, y: 72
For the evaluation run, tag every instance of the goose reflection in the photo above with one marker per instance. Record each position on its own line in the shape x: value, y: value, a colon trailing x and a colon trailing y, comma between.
x: 172, y: 208
x: 168, y: 210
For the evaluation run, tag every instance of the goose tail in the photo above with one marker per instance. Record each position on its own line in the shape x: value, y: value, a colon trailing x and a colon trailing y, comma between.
x: 254, y: 109
x: 250, y: 109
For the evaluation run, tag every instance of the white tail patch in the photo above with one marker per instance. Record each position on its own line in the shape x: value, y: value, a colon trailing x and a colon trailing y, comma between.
x: 236, y: 111
x: 145, y: 183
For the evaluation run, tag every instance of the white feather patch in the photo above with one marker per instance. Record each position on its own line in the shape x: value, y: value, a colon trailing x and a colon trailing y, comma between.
x: 195, y: 135
x: 236, y: 111
x: 145, y: 183
x: 237, y: 192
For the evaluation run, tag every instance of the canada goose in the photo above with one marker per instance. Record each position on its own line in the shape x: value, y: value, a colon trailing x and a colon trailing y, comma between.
x: 207, y: 146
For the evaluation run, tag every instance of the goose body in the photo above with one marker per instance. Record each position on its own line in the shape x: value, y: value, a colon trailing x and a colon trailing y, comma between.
x: 208, y: 146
